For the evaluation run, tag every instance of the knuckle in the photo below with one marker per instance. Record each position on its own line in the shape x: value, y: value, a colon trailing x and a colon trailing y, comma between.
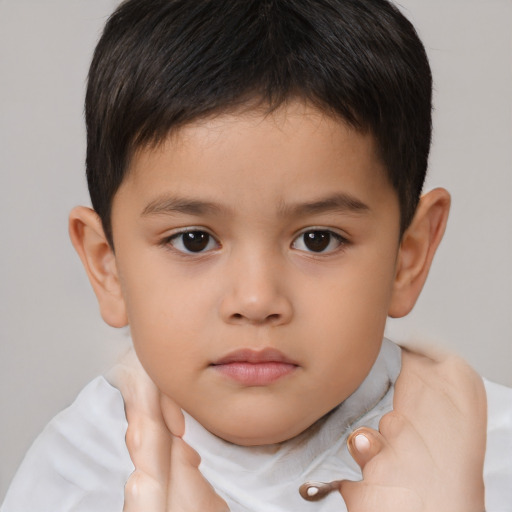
x: 132, y: 438
x: 131, y: 487
x: 391, y: 424
x: 139, y: 484
x: 186, y: 453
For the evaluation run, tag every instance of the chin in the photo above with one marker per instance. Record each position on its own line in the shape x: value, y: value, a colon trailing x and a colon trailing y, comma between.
x: 255, y: 432
x: 258, y: 439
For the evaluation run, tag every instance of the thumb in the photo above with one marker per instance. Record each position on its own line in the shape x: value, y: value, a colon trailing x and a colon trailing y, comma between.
x: 364, y: 444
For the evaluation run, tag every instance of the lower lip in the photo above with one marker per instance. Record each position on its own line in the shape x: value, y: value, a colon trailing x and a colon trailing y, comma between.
x: 255, y: 374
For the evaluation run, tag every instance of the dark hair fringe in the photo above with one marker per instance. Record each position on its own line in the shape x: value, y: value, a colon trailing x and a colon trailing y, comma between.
x: 163, y: 63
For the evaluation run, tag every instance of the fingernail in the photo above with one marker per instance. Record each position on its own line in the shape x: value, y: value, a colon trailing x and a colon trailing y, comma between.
x: 312, y: 491
x: 361, y: 443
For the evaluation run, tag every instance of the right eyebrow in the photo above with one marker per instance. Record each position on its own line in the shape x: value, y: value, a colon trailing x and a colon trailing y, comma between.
x: 170, y: 205
x: 337, y: 202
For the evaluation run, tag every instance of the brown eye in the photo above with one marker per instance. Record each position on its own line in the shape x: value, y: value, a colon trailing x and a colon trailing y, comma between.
x: 318, y: 241
x: 193, y: 241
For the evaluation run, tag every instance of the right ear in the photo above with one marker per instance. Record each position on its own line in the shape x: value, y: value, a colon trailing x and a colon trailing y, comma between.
x: 89, y: 240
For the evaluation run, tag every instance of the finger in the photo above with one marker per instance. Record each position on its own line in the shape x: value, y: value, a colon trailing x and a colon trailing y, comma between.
x: 166, y: 477
x: 189, y: 491
x: 142, y: 493
x: 400, y: 434
x: 393, y: 424
x: 173, y: 416
x: 139, y: 392
x: 363, y: 497
x: 149, y: 445
x: 448, y: 384
x: 314, y: 491
x: 147, y: 438
x: 364, y: 444
x: 184, y: 455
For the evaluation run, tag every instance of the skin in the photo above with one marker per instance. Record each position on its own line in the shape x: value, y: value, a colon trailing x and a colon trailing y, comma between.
x: 427, y: 457
x: 253, y: 289
x: 255, y: 185
x: 428, y: 454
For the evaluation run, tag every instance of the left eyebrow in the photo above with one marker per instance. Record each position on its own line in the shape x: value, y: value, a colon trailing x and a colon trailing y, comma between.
x: 170, y: 205
x: 341, y: 203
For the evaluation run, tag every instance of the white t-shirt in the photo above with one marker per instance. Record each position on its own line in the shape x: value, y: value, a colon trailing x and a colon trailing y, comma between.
x: 80, y: 462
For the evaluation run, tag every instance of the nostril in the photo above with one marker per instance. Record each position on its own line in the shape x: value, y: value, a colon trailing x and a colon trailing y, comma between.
x: 256, y: 310
x: 267, y: 319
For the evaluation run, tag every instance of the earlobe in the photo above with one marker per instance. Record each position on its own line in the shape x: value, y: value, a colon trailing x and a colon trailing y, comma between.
x: 417, y: 249
x: 98, y: 259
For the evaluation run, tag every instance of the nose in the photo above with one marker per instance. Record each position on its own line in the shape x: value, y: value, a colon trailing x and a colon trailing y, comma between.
x: 255, y: 292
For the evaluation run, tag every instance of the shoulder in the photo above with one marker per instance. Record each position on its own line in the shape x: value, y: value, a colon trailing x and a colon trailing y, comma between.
x: 498, y: 456
x: 80, y: 461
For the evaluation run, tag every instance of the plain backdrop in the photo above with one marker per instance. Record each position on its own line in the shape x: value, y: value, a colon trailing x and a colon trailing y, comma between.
x: 52, y: 338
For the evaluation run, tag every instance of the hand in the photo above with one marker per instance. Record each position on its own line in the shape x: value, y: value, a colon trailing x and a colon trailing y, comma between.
x: 428, y: 454
x: 166, y: 476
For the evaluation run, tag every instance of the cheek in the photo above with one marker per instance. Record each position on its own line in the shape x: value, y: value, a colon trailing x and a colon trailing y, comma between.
x: 346, y: 319
x: 351, y: 302
x: 167, y: 316
x: 160, y: 295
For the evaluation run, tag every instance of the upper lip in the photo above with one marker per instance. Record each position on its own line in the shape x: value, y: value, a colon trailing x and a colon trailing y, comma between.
x: 248, y: 355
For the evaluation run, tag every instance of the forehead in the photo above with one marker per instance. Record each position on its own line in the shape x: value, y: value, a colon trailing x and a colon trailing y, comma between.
x: 290, y: 155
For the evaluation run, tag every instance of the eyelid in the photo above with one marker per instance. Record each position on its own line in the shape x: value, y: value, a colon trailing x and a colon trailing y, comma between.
x: 335, y: 231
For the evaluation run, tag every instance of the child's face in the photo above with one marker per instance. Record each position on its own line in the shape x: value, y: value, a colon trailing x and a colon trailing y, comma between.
x: 271, y: 310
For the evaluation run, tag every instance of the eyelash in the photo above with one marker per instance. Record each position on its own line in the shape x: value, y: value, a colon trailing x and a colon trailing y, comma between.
x: 179, y: 238
x: 205, y: 240
x: 341, y: 241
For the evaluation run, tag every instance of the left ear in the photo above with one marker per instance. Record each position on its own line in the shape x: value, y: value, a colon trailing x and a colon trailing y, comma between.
x: 417, y: 248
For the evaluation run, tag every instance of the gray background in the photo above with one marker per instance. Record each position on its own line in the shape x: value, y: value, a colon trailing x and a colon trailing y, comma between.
x: 52, y: 338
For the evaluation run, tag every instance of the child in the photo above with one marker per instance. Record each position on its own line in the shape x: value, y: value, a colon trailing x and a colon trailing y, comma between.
x: 255, y: 170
